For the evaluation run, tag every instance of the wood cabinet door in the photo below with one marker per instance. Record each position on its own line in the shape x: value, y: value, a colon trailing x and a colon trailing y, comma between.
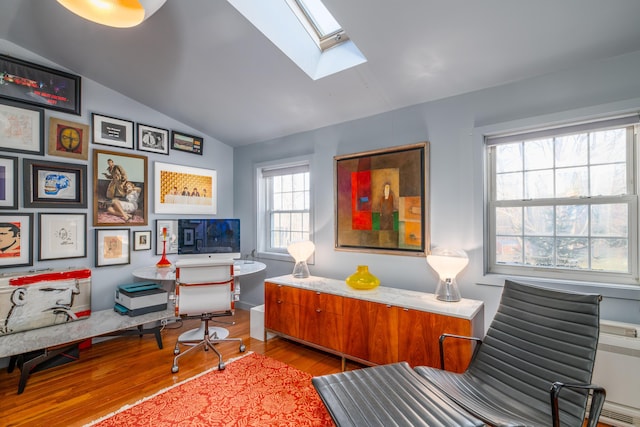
x: 282, y: 309
x: 370, y: 331
x: 420, y: 333
x: 321, y: 319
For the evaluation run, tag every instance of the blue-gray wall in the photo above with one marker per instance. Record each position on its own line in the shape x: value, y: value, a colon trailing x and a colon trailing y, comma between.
x: 99, y: 99
x: 454, y: 128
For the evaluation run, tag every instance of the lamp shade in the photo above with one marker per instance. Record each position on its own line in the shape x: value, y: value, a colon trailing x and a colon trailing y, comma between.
x: 301, y: 251
x: 448, y: 263
x: 114, y: 13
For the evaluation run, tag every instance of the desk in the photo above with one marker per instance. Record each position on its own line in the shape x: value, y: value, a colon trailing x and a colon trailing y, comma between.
x: 240, y: 268
x: 58, y: 338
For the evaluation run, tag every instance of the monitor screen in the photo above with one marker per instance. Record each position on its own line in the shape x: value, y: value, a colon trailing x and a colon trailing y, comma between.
x: 208, y: 236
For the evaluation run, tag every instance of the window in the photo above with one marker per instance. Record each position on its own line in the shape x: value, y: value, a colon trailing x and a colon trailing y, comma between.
x: 563, y: 202
x: 284, y: 207
x: 319, y: 23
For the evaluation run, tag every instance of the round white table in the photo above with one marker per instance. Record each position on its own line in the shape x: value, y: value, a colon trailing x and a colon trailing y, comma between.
x: 240, y: 268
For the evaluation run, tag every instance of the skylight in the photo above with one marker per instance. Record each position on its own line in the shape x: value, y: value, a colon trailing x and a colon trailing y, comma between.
x: 319, y: 22
x: 305, y: 40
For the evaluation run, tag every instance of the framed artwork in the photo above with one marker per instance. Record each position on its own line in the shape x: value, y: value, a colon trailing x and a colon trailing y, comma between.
x: 152, y: 139
x: 142, y: 240
x: 68, y: 139
x: 112, y: 131
x: 8, y: 182
x: 382, y: 200
x: 184, y: 189
x: 189, y: 143
x: 21, y: 128
x: 16, y: 239
x: 112, y: 247
x: 171, y: 226
x: 40, y: 86
x: 62, y: 235
x: 54, y: 184
x: 119, y: 189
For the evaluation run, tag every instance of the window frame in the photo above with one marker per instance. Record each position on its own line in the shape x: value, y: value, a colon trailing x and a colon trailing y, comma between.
x: 631, y: 199
x: 263, y: 227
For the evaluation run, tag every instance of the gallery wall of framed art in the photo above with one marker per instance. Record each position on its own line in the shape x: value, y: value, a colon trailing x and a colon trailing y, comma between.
x: 65, y: 171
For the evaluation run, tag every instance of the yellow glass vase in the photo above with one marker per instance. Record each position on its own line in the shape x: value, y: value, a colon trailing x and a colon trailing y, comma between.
x: 362, y: 279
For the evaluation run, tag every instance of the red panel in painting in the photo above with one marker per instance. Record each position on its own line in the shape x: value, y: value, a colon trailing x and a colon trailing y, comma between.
x: 361, y: 200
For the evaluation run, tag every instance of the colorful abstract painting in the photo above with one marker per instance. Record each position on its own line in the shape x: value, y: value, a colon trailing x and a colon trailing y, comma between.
x: 381, y: 200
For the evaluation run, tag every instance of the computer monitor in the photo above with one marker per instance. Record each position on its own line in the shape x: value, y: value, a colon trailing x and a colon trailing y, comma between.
x: 209, y: 238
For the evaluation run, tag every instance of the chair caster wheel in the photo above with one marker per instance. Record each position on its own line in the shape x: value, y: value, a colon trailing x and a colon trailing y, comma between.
x: 243, y: 348
x: 176, y: 351
x: 174, y: 369
x: 221, y: 367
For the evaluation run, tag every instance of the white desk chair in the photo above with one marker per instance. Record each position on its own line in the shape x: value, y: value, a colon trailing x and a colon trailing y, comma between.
x: 204, y: 290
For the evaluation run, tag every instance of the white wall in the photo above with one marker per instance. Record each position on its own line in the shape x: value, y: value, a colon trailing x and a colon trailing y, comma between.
x: 99, y: 99
x: 453, y: 126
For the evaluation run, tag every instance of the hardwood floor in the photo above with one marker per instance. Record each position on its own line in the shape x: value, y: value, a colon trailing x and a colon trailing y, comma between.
x: 123, y: 370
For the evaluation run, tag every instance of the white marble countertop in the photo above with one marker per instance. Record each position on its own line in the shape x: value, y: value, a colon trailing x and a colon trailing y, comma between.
x: 465, y: 308
x: 99, y: 323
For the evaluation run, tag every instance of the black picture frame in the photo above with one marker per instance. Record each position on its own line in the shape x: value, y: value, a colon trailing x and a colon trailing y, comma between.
x: 112, y: 131
x: 25, y: 133
x: 54, y: 184
x: 188, y: 143
x: 21, y: 255
x: 8, y: 182
x: 153, y: 139
x: 39, y: 85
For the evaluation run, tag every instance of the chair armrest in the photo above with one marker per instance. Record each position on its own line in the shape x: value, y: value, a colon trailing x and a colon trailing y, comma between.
x: 477, y: 340
x: 597, y: 401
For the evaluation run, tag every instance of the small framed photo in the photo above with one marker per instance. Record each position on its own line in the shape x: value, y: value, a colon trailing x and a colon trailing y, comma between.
x: 112, y: 131
x: 68, y: 139
x: 21, y: 127
x: 8, y: 182
x: 152, y: 139
x: 16, y: 239
x: 62, y: 235
x: 112, y: 247
x: 167, y: 228
x: 142, y: 240
x: 54, y: 184
x: 189, y: 143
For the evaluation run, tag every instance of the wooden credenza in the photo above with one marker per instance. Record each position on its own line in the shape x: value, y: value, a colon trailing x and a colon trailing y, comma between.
x: 383, y: 325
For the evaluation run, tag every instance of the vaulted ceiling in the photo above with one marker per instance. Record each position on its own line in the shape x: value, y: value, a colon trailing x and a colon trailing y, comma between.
x: 202, y: 63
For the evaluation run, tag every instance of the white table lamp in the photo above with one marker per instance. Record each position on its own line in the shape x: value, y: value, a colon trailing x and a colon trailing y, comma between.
x: 301, y: 251
x: 448, y: 263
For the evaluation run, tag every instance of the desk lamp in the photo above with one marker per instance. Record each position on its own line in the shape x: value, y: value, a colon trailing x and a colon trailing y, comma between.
x: 301, y: 251
x: 114, y: 13
x: 448, y: 263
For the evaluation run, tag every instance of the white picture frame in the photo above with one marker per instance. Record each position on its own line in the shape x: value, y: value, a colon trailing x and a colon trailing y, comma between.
x: 62, y: 235
x: 172, y: 235
x: 172, y: 181
x: 112, y: 247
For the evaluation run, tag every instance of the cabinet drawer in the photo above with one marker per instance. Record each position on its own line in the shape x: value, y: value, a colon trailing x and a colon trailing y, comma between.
x: 319, y: 301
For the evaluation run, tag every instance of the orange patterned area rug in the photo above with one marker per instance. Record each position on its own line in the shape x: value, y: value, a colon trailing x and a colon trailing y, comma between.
x: 253, y: 390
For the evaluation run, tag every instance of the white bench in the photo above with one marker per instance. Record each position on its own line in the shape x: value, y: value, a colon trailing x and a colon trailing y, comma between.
x: 57, y: 339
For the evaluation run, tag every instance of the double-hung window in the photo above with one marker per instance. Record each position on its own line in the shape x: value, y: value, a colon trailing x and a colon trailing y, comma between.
x: 563, y: 203
x: 284, y: 205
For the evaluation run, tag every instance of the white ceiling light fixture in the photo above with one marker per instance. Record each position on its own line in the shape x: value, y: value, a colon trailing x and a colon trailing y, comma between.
x: 114, y: 13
